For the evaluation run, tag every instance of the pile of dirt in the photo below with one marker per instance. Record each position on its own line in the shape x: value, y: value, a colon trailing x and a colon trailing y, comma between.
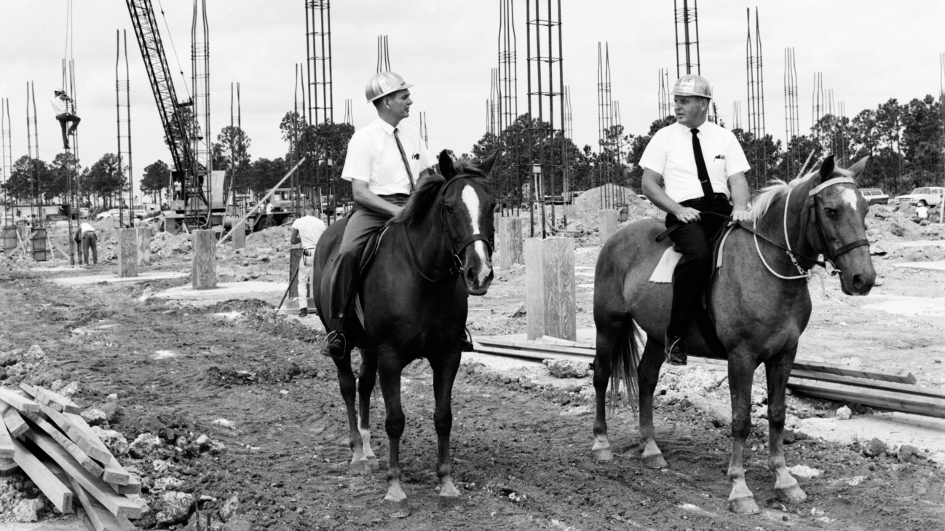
x: 276, y: 238
x: 587, y: 206
x: 165, y: 244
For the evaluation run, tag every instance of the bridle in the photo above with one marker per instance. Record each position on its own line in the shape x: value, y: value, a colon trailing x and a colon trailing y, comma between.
x: 456, y: 249
x: 830, y: 253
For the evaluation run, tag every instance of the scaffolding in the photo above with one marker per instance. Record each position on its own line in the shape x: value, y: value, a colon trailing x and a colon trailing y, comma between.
x: 543, y: 85
x: 687, y: 49
x: 123, y: 119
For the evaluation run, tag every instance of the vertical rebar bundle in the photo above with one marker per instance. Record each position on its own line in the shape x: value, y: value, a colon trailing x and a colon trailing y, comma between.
x: 200, y: 74
x: 736, y: 115
x: 494, y: 110
x: 818, y: 99
x: 7, y: 153
x: 756, y: 99
x: 318, y: 47
x: 507, y: 93
x: 791, y: 115
x: 664, y: 98
x: 383, y: 54
x: 621, y: 196
x: 545, y: 29
x: 605, y: 115
x: 424, y: 132
x: 32, y: 147
x: 349, y: 111
x: 123, y: 118
x: 687, y: 26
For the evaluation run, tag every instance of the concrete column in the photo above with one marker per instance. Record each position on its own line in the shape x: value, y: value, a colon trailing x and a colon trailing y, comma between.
x: 550, y: 296
x: 127, y: 253
x: 608, y: 224
x: 204, y: 271
x: 239, y: 236
x: 509, y: 236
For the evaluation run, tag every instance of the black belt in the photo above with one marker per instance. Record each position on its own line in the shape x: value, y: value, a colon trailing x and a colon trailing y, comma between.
x: 697, y: 200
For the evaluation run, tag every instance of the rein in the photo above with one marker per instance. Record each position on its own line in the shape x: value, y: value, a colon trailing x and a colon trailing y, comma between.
x: 455, y: 248
x: 829, y: 254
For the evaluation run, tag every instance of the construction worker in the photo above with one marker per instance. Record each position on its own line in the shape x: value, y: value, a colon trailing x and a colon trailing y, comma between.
x: 306, y: 231
x: 384, y: 161
x: 689, y: 168
x: 88, y: 239
x: 64, y: 107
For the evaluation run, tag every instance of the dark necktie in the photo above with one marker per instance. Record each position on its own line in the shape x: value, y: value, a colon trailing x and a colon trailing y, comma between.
x: 403, y: 157
x: 700, y: 165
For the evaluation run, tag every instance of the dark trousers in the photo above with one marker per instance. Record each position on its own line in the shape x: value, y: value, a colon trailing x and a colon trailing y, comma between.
x: 89, y: 241
x: 695, y: 267
x: 64, y: 120
x: 344, y: 269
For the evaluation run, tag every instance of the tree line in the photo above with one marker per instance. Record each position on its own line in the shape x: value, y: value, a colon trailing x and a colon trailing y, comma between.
x: 904, y: 140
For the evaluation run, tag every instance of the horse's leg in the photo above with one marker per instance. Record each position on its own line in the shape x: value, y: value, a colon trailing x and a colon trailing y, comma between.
x: 649, y: 373
x: 389, y: 368
x: 608, y: 332
x: 366, y: 380
x: 777, y: 371
x: 444, y: 374
x: 347, y: 383
x: 741, y: 368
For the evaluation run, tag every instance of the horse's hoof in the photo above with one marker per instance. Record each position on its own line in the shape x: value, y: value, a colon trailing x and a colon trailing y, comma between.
x: 372, y: 464
x: 449, y: 502
x: 744, y: 505
x: 655, y: 461
x: 603, y: 454
x: 397, y: 508
x: 792, y: 494
x: 359, y: 467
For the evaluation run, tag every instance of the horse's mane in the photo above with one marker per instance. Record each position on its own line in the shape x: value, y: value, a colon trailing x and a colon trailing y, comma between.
x: 778, y: 188
x: 427, y: 190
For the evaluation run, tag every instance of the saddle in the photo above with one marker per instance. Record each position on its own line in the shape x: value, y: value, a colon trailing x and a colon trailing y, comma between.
x: 367, y: 257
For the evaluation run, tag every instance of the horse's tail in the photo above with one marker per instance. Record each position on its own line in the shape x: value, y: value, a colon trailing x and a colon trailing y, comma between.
x: 623, y: 364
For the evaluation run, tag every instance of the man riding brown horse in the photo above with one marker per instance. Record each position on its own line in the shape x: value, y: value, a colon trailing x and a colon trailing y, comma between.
x: 690, y: 168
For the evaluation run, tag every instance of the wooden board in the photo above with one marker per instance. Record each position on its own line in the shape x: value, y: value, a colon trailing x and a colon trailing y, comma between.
x: 51, y: 398
x: 529, y: 354
x: 95, y: 451
x: 21, y: 403
x: 98, y: 516
x: 6, y: 442
x: 869, y: 383
x: 122, y: 481
x: 54, y: 490
x: 509, y: 236
x: 13, y: 421
x: 895, y: 401
x: 888, y: 376
x: 8, y: 467
x: 97, y: 487
x: 127, y: 248
x: 550, y: 297
x: 81, y: 457
x: 538, y: 347
x: 204, y: 269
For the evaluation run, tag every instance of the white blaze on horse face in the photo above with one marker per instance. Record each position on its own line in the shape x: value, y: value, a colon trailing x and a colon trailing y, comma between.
x: 849, y: 195
x: 471, y: 200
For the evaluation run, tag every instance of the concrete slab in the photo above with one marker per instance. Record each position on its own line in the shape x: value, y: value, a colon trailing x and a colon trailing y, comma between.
x: 253, y: 289
x: 905, y: 305
x: 146, y: 276
x: 892, y: 428
x: 931, y: 266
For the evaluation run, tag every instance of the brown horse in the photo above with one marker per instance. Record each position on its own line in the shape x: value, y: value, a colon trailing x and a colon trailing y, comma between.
x: 758, y: 300
x: 434, y: 254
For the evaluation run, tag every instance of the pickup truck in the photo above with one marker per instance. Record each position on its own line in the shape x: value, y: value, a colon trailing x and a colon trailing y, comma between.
x: 924, y: 196
x: 874, y: 196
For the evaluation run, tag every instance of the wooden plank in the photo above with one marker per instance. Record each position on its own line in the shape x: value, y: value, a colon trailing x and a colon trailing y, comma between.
x: 54, y: 490
x: 98, y: 516
x: 8, y: 467
x: 6, y: 442
x: 204, y: 268
x: 122, y: 481
x: 536, y: 346
x: 19, y: 402
x: 97, y: 487
x: 81, y: 457
x: 895, y: 401
x: 527, y: 354
x: 127, y: 248
x: 51, y: 398
x: 888, y: 376
x: 13, y: 421
x: 38, y: 397
x: 550, y: 293
x: 509, y: 243
x: 95, y: 451
x: 869, y: 383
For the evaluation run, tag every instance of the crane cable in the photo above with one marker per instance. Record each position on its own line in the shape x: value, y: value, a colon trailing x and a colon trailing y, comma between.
x: 174, y: 48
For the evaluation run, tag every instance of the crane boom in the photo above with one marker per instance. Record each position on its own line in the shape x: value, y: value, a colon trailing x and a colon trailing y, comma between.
x: 176, y: 133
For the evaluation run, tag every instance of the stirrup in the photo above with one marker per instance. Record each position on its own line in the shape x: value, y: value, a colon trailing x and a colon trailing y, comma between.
x: 329, y: 339
x: 466, y: 343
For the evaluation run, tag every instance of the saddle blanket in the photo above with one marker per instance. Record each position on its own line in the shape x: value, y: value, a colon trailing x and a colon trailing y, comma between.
x: 663, y: 273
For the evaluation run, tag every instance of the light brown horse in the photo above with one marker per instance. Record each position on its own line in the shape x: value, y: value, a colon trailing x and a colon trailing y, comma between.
x: 758, y: 300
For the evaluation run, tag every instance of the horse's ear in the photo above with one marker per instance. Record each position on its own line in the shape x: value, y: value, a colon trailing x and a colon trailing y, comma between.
x: 860, y: 165
x: 826, y: 169
x: 446, y: 165
x: 486, y: 165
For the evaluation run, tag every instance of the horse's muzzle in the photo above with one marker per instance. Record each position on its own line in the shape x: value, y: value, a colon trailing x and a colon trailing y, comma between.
x: 477, y: 269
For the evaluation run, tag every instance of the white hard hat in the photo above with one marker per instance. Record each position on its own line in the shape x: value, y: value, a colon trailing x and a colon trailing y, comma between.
x: 382, y: 84
x: 693, y: 85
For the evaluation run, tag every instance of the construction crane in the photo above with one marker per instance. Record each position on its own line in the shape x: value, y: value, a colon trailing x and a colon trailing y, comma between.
x: 176, y: 117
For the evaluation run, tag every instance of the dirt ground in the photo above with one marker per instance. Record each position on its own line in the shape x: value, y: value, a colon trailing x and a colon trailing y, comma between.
x: 249, y: 378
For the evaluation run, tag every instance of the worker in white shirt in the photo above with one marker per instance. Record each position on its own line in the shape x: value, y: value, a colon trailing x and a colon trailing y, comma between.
x: 64, y: 107
x: 89, y: 240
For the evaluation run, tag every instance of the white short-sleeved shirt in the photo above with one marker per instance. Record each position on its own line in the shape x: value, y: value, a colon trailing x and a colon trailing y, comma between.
x: 373, y: 157
x: 670, y: 154
x: 85, y: 227
x: 310, y: 230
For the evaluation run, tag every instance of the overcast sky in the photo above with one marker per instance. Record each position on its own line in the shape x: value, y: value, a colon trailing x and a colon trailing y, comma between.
x: 868, y: 50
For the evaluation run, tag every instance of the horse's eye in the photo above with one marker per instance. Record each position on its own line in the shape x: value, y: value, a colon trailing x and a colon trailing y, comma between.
x: 449, y: 209
x: 831, y: 213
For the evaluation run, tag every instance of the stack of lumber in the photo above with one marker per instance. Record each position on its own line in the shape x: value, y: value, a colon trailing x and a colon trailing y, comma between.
x: 891, y: 390
x: 43, y: 435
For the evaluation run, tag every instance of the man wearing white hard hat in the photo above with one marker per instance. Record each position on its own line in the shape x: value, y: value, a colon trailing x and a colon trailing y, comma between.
x: 384, y: 161
x: 691, y: 168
